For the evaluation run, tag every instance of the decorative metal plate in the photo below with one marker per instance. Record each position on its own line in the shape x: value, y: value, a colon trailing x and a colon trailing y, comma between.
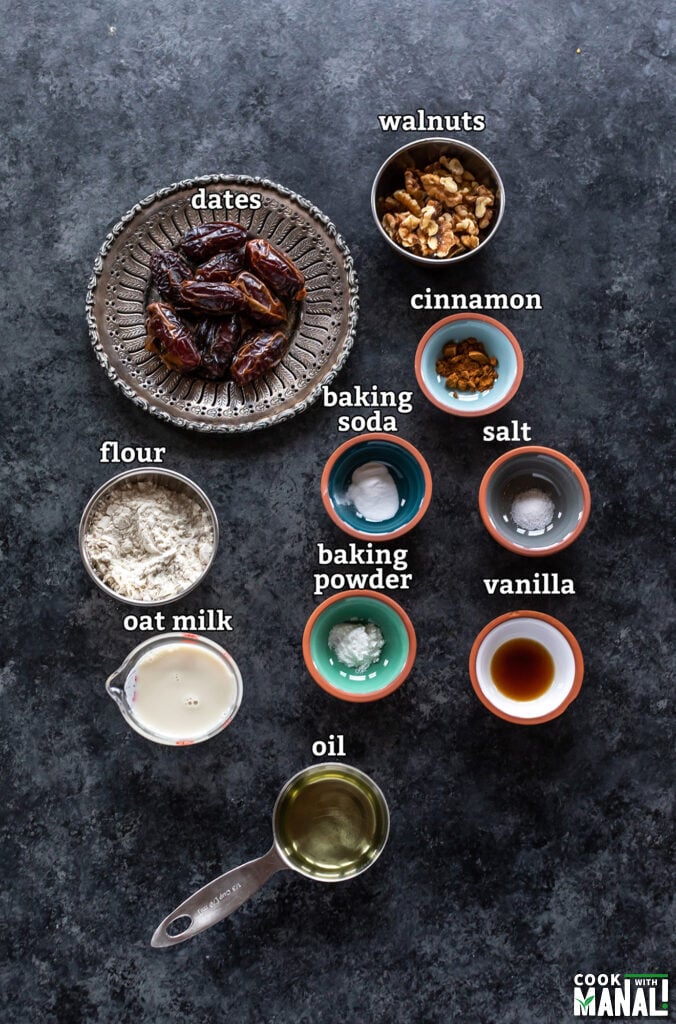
x: 321, y: 327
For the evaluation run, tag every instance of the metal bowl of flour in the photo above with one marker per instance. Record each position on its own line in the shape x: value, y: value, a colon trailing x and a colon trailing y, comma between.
x: 173, y: 482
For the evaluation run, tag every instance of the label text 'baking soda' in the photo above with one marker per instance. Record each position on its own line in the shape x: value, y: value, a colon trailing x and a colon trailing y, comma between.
x: 372, y: 398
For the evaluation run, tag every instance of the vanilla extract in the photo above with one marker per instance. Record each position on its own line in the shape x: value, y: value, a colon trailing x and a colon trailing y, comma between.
x: 522, y: 669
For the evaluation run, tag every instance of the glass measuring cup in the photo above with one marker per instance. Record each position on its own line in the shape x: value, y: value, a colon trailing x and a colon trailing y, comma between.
x: 330, y: 822
x: 193, y: 723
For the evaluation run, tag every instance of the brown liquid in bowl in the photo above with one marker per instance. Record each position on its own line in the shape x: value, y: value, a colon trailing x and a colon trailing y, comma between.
x: 522, y: 669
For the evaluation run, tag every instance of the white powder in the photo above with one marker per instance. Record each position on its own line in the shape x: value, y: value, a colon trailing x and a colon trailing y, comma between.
x: 147, y: 542
x: 532, y: 510
x: 356, y: 644
x: 373, y: 492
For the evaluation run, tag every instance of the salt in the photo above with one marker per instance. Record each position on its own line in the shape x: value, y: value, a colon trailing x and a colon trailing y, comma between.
x: 532, y: 510
x: 373, y: 492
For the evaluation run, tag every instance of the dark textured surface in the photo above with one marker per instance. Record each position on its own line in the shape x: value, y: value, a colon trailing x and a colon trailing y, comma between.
x: 517, y: 856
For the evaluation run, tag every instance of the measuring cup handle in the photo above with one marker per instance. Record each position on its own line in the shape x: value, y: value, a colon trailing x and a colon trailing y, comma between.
x: 218, y: 899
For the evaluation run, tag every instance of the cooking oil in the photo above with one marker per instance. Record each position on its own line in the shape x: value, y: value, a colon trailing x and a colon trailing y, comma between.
x: 331, y: 824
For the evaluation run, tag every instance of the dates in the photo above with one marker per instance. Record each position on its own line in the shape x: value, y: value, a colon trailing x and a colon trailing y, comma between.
x: 206, y: 240
x: 221, y: 303
x: 170, y: 339
x: 167, y: 270
x: 216, y: 297
x: 261, y: 351
x: 276, y: 269
x: 264, y: 307
x: 223, y: 267
x: 218, y: 341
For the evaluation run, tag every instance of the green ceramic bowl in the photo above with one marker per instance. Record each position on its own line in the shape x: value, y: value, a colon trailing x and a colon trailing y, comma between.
x: 396, y: 658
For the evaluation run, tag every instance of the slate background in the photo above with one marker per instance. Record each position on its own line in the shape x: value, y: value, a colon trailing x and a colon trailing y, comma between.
x: 517, y: 856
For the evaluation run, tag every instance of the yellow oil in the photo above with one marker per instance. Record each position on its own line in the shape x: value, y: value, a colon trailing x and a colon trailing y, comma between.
x: 330, y: 824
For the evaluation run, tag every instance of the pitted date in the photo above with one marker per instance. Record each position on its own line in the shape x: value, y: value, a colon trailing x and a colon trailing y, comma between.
x: 224, y: 266
x: 206, y: 240
x: 169, y: 338
x: 264, y: 307
x: 276, y: 268
x: 217, y: 297
x: 218, y: 341
x: 167, y: 270
x: 261, y: 351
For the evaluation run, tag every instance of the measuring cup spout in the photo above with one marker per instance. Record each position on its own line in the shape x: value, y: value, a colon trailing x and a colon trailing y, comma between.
x: 115, y: 688
x: 218, y: 899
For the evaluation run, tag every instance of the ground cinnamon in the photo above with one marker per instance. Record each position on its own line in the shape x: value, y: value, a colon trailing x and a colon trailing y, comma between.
x: 467, y: 366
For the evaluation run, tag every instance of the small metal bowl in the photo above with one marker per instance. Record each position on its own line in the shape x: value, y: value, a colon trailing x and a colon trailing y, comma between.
x: 174, y: 482
x: 418, y: 154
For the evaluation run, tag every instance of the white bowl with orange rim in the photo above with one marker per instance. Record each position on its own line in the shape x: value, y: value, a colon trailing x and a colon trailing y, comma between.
x: 526, y: 667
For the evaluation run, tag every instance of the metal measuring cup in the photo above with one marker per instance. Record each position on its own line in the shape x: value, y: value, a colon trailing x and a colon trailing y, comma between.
x: 222, y: 896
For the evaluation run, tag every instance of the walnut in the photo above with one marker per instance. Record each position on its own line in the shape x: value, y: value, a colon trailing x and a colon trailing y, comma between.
x: 428, y: 223
x: 412, y: 186
x: 464, y: 224
x: 449, y: 184
x: 440, y: 211
x: 408, y: 201
x: 447, y: 238
x: 481, y: 205
x: 407, y: 227
x: 435, y: 188
x: 391, y: 225
x: 453, y: 165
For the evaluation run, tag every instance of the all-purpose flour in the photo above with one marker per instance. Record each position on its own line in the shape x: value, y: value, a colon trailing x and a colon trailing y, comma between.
x: 147, y: 542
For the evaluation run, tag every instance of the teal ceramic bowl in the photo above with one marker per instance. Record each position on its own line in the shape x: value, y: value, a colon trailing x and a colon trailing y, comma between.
x: 396, y: 658
x: 497, y: 341
x: 408, y: 469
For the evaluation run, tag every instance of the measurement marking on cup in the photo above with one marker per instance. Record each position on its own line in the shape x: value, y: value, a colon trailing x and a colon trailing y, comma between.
x: 217, y: 899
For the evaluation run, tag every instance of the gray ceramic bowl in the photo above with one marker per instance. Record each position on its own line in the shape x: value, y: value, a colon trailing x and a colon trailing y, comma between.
x: 418, y: 154
x: 545, y: 470
x: 174, y: 482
